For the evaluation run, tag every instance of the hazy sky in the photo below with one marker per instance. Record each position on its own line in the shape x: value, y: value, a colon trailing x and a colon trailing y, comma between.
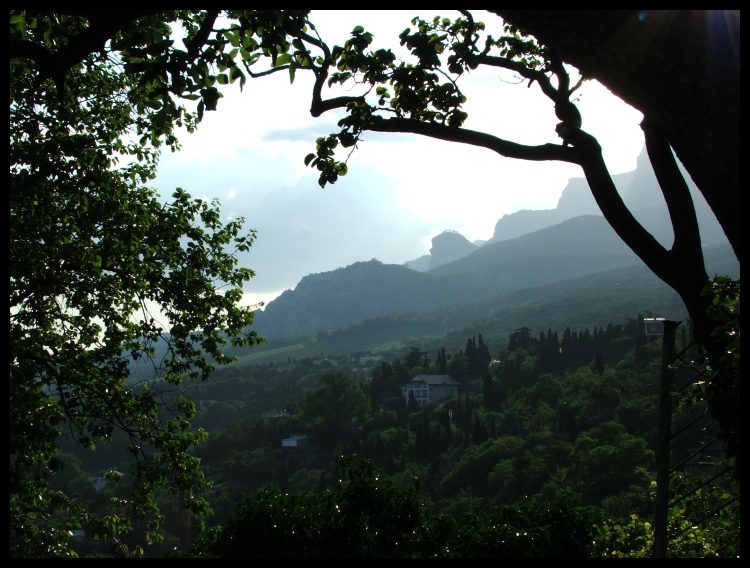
x: 401, y: 190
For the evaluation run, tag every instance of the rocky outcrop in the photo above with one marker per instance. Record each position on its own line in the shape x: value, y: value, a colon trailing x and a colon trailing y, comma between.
x: 447, y: 247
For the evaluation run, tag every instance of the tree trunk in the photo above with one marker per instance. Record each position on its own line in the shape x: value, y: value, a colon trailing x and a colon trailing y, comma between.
x: 680, y: 68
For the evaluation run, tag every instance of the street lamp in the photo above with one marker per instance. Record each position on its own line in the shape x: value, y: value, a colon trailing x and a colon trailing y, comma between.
x: 654, y: 327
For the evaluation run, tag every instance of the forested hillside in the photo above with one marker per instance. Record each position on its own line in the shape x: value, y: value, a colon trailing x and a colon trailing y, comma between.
x: 550, y: 432
x: 578, y: 302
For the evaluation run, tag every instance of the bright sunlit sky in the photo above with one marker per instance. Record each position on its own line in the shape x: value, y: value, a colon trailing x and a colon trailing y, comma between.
x: 401, y: 190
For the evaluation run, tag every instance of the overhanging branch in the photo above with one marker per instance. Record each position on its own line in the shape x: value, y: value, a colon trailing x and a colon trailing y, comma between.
x: 318, y: 105
x: 204, y: 31
x: 103, y: 25
x: 521, y: 69
x: 565, y: 110
x: 503, y: 147
x: 563, y: 79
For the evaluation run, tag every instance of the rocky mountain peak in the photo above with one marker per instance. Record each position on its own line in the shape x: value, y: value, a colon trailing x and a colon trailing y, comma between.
x: 449, y: 246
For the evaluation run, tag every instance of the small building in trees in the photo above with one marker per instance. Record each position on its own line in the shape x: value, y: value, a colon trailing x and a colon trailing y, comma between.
x: 295, y: 441
x: 429, y: 388
x: 297, y: 451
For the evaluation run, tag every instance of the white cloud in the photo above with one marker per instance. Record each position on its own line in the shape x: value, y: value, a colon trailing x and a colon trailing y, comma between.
x: 401, y: 190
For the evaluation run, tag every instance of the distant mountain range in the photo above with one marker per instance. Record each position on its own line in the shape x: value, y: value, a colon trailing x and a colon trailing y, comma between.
x: 530, y: 249
x: 610, y: 296
x: 322, y: 302
x: 638, y: 189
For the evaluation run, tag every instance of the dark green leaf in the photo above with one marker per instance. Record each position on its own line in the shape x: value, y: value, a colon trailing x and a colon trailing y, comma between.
x: 283, y: 59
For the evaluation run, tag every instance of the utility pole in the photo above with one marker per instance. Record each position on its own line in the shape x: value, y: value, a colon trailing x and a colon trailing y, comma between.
x: 661, y: 517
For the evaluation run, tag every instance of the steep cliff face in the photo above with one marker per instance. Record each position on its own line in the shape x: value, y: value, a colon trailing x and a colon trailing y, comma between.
x: 517, y: 224
x: 576, y: 199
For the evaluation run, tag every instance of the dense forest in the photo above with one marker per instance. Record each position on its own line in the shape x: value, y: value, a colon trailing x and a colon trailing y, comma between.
x: 547, y: 451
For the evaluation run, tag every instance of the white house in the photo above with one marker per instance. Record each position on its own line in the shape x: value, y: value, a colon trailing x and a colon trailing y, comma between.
x: 429, y: 388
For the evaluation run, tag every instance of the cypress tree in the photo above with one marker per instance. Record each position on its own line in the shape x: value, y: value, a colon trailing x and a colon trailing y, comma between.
x: 442, y: 362
x: 599, y: 363
x: 479, y: 434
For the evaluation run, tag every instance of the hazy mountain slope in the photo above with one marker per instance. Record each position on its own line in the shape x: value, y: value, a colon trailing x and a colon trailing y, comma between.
x: 526, y: 221
x: 340, y: 297
x: 587, y: 301
x: 364, y: 290
x: 421, y: 264
x: 588, y: 239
